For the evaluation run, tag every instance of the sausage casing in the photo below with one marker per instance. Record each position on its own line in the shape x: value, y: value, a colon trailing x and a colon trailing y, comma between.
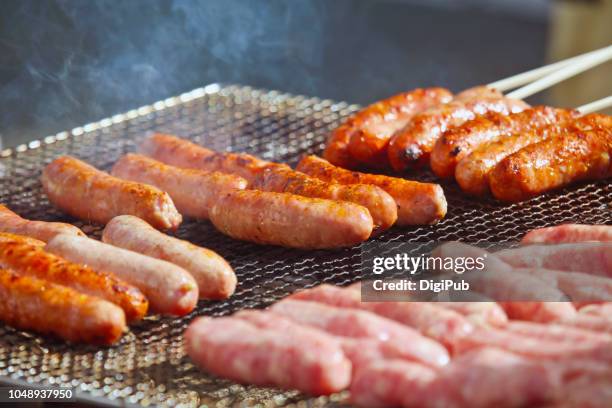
x: 192, y: 191
x: 290, y: 220
x: 553, y: 163
x: 215, y: 278
x: 411, y: 146
x: 27, y: 258
x: 282, y: 179
x: 90, y: 194
x: 457, y: 142
x: 370, y: 129
x: 183, y: 153
x: 41, y: 230
x: 417, y: 203
x: 30, y: 303
x: 170, y: 289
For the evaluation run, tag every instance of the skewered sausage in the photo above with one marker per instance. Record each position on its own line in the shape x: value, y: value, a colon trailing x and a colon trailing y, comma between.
x: 90, y: 194
x: 193, y: 191
x: 44, y: 231
x: 417, y: 203
x: 238, y: 350
x: 169, y: 288
x: 568, y: 233
x: 369, y: 130
x: 30, y: 303
x: 457, y: 142
x: 215, y: 278
x: 473, y: 171
x: 282, y: 179
x: 290, y: 220
x: 553, y: 163
x: 30, y: 259
x: 410, y: 146
x: 183, y: 153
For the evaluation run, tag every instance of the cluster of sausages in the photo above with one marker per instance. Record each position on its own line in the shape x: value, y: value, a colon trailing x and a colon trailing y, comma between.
x: 488, y: 143
x: 55, y: 280
x: 446, y: 354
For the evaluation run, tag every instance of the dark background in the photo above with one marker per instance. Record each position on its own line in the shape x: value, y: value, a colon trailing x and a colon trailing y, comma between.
x: 65, y: 63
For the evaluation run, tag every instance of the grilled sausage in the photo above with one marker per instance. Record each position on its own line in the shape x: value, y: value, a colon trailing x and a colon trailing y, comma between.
x: 192, y: 191
x: 417, y: 203
x: 238, y: 350
x: 215, y: 278
x: 30, y: 259
x: 282, y: 179
x: 44, y: 231
x: 370, y: 129
x: 568, y: 233
x: 410, y: 146
x: 29, y: 303
x: 183, y: 153
x: 553, y: 163
x: 472, y: 172
x: 169, y: 288
x: 457, y: 142
x: 90, y: 194
x: 290, y: 220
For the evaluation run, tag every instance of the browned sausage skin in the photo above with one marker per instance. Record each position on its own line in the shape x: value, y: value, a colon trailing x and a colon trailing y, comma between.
x: 193, y: 191
x: 30, y: 303
x: 410, y: 147
x: 44, y: 231
x: 472, y: 172
x: 90, y: 194
x: 215, y: 277
x: 417, y: 203
x: 27, y: 257
x: 282, y: 179
x: 290, y: 220
x: 457, y: 142
x: 553, y: 163
x: 183, y: 153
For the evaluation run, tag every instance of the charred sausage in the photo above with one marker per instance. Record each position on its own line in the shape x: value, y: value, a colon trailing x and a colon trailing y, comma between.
x: 215, y: 278
x: 90, y: 194
x: 169, y: 288
x: 192, y: 191
x: 411, y: 146
x: 44, y: 231
x: 457, y: 142
x: 290, y: 220
x: 282, y: 179
x: 30, y: 259
x: 29, y: 303
x: 553, y: 163
x: 417, y: 203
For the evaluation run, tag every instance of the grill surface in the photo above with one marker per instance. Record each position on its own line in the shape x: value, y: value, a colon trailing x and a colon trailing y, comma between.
x: 149, y: 366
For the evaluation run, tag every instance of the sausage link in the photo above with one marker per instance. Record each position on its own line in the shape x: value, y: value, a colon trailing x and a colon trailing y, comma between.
x: 41, y: 230
x: 417, y: 203
x: 169, y: 288
x: 290, y: 220
x: 410, y: 147
x: 371, y: 128
x: 192, y: 191
x: 553, y: 163
x: 281, y: 179
x: 215, y: 278
x: 27, y: 258
x: 564, y: 233
x: 90, y: 194
x: 30, y: 303
x: 473, y: 170
x: 183, y: 153
x: 457, y: 142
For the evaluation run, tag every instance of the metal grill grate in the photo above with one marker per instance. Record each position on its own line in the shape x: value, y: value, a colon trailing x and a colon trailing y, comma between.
x: 149, y: 366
